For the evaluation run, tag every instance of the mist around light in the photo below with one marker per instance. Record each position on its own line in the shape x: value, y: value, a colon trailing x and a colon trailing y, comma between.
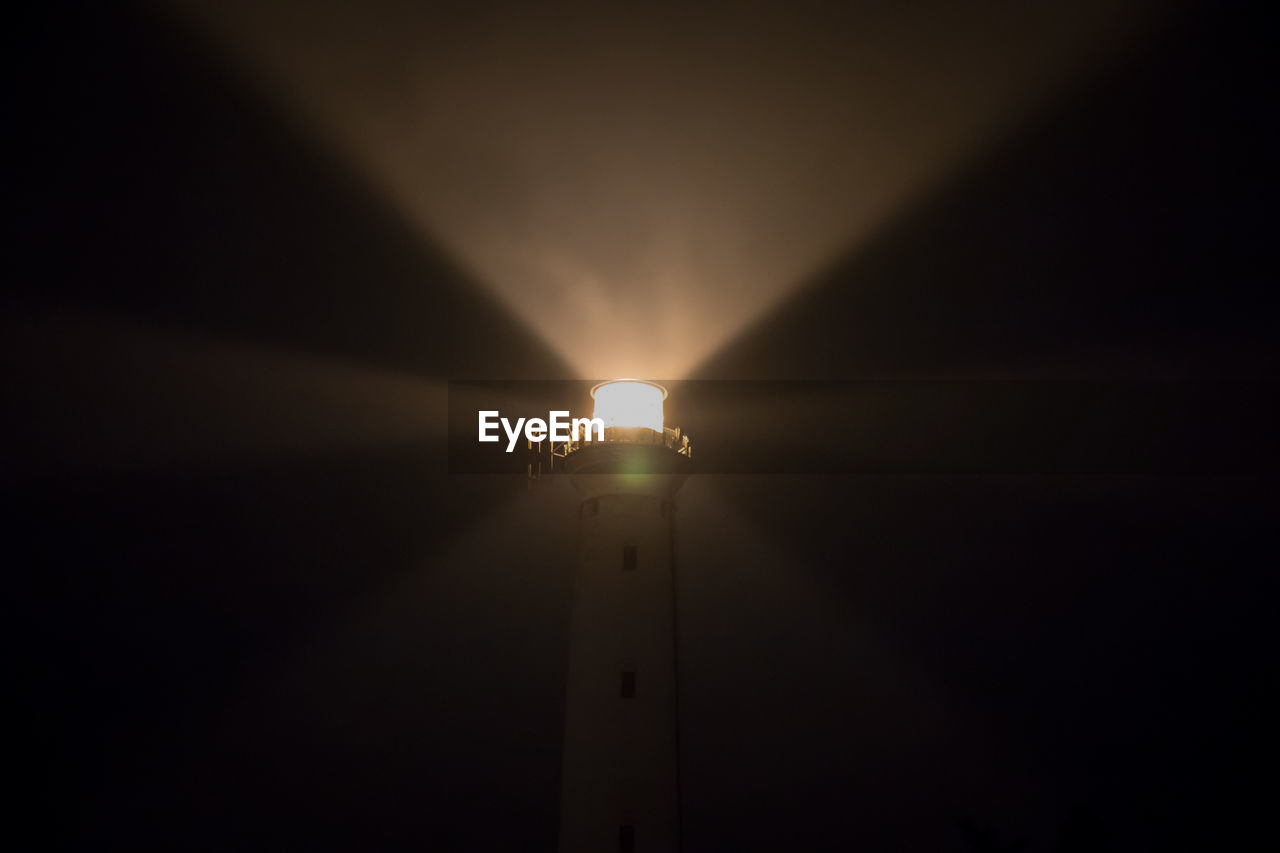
x: 640, y: 185
x: 122, y: 395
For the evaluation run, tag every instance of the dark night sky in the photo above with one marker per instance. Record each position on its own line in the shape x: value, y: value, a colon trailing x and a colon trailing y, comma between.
x: 250, y: 609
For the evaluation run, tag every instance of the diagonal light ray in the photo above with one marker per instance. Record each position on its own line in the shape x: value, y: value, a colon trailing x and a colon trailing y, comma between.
x: 465, y: 596
x: 641, y: 184
x: 105, y: 393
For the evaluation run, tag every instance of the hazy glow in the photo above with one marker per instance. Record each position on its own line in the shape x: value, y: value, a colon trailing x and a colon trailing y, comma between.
x: 641, y: 184
x: 194, y: 400
x: 629, y: 403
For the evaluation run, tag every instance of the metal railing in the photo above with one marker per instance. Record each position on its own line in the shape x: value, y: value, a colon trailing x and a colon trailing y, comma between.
x: 670, y: 437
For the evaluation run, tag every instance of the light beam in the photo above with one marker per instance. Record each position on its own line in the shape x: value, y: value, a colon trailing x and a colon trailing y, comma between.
x: 639, y: 184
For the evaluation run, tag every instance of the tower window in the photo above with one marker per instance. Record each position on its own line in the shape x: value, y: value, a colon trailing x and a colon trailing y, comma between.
x: 629, y: 558
x: 628, y: 685
x: 626, y: 838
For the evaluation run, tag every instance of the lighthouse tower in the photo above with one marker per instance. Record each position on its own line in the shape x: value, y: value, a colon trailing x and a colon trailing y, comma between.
x: 620, y: 777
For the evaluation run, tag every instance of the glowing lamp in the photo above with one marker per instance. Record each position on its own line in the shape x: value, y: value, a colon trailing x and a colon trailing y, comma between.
x: 629, y: 403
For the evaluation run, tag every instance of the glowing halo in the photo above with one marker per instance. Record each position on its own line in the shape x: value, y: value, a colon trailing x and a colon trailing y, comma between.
x: 629, y: 403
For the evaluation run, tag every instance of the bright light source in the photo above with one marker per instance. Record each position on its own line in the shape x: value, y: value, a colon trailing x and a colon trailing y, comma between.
x: 629, y: 403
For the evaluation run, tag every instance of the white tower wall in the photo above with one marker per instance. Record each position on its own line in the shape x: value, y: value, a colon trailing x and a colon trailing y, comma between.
x: 620, y: 779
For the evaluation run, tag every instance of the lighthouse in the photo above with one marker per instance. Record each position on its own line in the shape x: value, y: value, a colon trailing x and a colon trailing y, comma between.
x: 620, y: 781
